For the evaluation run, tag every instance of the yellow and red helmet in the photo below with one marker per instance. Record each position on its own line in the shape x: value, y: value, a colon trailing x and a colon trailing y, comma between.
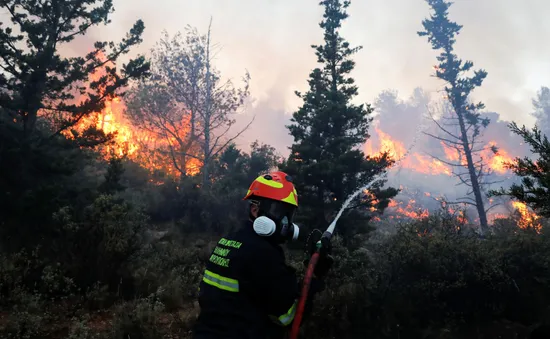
x: 276, y: 186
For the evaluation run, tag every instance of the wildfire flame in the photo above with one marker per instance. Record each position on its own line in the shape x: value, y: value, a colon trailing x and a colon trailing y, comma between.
x: 383, y: 142
x: 428, y: 165
x: 497, y: 161
x: 396, y: 150
x: 132, y: 142
x: 407, y: 210
x: 527, y: 219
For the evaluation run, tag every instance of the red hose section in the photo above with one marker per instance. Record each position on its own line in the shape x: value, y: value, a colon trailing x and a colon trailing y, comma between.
x: 303, y: 297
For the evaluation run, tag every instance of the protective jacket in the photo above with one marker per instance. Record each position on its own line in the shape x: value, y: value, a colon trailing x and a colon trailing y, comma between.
x: 248, y: 291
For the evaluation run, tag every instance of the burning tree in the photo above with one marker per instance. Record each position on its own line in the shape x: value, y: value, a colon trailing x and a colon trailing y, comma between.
x: 36, y: 80
x: 185, y: 103
x: 43, y: 96
x: 462, y: 124
x: 326, y: 161
x: 535, y: 182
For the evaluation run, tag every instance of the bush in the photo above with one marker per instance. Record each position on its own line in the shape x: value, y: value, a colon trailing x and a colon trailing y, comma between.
x: 92, y: 249
x: 444, y: 283
x: 139, y: 319
x: 173, y: 267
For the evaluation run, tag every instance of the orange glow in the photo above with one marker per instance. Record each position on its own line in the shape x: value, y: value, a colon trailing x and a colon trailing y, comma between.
x: 493, y: 217
x: 396, y: 150
x: 408, y: 210
x: 427, y: 165
x: 419, y: 163
x: 527, y: 219
x: 450, y: 153
x: 136, y: 144
x: 462, y: 217
x: 497, y: 161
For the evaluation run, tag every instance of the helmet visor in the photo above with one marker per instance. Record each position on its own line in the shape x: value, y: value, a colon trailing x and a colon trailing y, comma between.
x: 277, y: 210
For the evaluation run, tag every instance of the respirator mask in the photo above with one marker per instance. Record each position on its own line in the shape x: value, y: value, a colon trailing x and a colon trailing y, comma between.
x: 275, y: 221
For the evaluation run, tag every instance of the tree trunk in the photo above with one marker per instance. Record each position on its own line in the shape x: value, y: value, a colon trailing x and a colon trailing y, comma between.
x: 473, y: 175
x: 207, y: 117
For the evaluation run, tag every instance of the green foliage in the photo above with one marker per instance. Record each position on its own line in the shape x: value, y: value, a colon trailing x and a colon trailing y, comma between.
x: 418, y: 285
x: 139, y: 319
x: 94, y: 245
x: 534, y: 174
x: 80, y: 234
x: 40, y: 168
x: 37, y: 78
x: 441, y: 33
x: 112, y: 183
x: 325, y: 161
x: 234, y: 169
x: 215, y: 210
x: 37, y: 182
x: 172, y: 267
x: 24, y: 325
x: 81, y: 330
x: 102, y: 241
x: 185, y: 102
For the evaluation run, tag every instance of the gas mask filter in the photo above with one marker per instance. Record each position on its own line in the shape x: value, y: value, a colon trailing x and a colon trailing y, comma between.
x: 266, y: 227
x: 275, y: 221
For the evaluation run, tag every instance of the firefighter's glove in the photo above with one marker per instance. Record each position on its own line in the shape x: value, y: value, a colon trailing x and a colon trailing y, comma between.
x: 323, y: 265
x: 325, y: 261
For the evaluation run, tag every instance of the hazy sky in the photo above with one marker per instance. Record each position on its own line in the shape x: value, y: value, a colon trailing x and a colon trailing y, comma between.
x: 272, y: 38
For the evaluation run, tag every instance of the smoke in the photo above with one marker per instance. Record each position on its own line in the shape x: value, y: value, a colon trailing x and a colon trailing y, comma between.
x: 395, y: 125
x: 267, y: 124
x: 401, y: 117
x: 272, y: 40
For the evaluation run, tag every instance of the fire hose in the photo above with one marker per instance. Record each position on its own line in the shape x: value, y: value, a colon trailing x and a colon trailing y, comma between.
x: 326, y: 237
x: 307, y: 280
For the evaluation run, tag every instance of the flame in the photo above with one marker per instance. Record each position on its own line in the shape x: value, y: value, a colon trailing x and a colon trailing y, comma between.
x: 400, y: 210
x: 453, y: 154
x: 383, y: 142
x: 495, y: 216
x: 131, y: 141
x: 396, y: 150
x: 497, y: 161
x: 111, y: 121
x: 527, y: 219
x: 428, y: 165
x: 462, y: 217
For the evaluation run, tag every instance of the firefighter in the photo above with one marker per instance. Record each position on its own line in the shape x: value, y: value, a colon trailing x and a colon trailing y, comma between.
x: 248, y: 291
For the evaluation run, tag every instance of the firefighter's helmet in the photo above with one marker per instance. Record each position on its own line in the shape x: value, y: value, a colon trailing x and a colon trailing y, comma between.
x: 275, y: 186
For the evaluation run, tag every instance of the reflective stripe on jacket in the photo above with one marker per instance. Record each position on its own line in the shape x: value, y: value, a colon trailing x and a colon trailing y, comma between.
x: 247, y: 290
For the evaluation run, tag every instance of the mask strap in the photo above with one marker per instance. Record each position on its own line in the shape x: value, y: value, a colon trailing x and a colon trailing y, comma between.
x: 253, y: 203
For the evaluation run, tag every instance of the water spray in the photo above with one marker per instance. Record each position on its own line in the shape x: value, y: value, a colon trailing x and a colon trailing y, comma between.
x: 327, y: 235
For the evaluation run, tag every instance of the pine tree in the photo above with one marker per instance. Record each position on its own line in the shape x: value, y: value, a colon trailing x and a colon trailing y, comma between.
x: 535, y: 174
x: 326, y: 162
x: 113, y: 177
x: 44, y: 95
x: 462, y: 129
x: 38, y: 81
